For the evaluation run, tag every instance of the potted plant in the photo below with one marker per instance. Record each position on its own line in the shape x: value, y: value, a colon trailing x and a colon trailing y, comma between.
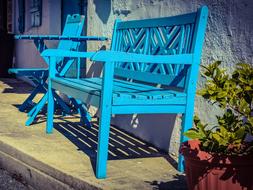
x: 221, y: 156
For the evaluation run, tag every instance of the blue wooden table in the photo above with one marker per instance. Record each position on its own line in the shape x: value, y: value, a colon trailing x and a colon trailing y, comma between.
x: 39, y: 76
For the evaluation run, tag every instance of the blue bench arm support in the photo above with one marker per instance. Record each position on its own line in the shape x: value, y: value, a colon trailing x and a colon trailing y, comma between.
x: 115, y: 56
x: 65, y: 53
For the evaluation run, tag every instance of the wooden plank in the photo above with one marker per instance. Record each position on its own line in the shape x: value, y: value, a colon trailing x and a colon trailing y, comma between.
x: 145, y: 76
x: 27, y: 72
x: 117, y: 56
x: 75, y: 85
x: 135, y: 89
x: 156, y: 22
x: 162, y: 101
x: 147, y: 109
x: 82, y: 95
x: 144, y: 87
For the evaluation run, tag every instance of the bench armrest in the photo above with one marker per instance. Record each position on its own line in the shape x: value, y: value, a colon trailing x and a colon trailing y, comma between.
x: 116, y: 56
x: 66, y: 53
x: 58, y: 37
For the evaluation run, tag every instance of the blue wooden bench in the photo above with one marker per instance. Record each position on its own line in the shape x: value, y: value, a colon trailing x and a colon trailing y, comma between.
x: 152, y: 67
x: 69, y: 40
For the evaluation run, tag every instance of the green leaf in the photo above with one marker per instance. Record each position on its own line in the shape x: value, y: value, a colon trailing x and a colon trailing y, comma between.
x: 193, y: 134
x: 216, y: 137
x: 222, y: 94
x: 240, y: 133
x: 223, y: 131
x: 250, y: 119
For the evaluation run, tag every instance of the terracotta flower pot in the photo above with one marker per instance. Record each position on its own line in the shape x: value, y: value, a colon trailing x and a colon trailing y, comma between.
x: 206, y: 171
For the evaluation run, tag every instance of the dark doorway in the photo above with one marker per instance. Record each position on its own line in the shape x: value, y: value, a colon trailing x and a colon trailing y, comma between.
x: 73, y: 7
x: 3, y: 16
x: 6, y: 39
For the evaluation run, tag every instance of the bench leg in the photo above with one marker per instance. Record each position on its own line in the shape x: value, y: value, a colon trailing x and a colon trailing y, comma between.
x: 50, y: 111
x: 36, y: 110
x: 82, y: 110
x: 24, y: 105
x: 63, y: 105
x: 103, y: 140
x: 187, y: 123
x: 85, y: 117
x: 35, y: 107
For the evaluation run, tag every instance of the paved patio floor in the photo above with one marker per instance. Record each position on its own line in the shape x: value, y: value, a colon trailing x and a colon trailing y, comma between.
x: 65, y: 159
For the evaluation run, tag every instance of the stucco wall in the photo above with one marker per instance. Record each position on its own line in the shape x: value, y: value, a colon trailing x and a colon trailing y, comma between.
x: 229, y: 38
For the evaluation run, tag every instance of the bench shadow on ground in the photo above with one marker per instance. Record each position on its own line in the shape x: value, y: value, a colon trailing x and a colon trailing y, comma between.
x: 122, y: 145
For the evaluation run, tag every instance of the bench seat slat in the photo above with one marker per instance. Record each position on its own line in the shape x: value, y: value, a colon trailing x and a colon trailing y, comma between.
x: 74, y: 91
x: 148, y: 109
x: 28, y: 71
x: 124, y: 92
x: 135, y: 90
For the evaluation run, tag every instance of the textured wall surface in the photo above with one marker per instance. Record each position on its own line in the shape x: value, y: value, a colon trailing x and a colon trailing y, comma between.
x: 229, y: 38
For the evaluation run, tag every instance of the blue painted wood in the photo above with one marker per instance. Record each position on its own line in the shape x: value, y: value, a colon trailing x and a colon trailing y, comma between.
x: 159, y: 51
x: 50, y: 98
x: 29, y: 99
x: 70, y: 40
x: 36, y: 109
x: 123, y: 93
x: 166, y: 21
x: 73, y: 28
x: 196, y: 48
x: 105, y: 113
x: 57, y: 37
x: 82, y: 110
x: 38, y: 76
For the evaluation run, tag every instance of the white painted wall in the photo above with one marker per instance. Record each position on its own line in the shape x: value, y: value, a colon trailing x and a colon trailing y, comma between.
x: 229, y: 38
x: 26, y: 54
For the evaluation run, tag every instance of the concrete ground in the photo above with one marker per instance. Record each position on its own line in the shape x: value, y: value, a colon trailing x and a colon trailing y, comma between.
x: 11, y: 182
x: 65, y: 159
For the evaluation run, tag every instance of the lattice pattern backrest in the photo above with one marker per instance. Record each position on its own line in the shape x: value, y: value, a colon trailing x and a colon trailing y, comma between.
x: 162, y: 36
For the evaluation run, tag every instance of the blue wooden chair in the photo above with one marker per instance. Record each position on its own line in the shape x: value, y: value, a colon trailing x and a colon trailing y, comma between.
x: 69, y: 40
x: 152, y: 67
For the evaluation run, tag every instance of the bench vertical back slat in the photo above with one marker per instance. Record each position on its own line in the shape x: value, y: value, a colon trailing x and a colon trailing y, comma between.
x: 160, y: 36
x: 73, y: 27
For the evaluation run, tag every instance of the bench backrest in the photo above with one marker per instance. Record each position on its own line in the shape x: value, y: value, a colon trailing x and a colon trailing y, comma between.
x: 161, y: 36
